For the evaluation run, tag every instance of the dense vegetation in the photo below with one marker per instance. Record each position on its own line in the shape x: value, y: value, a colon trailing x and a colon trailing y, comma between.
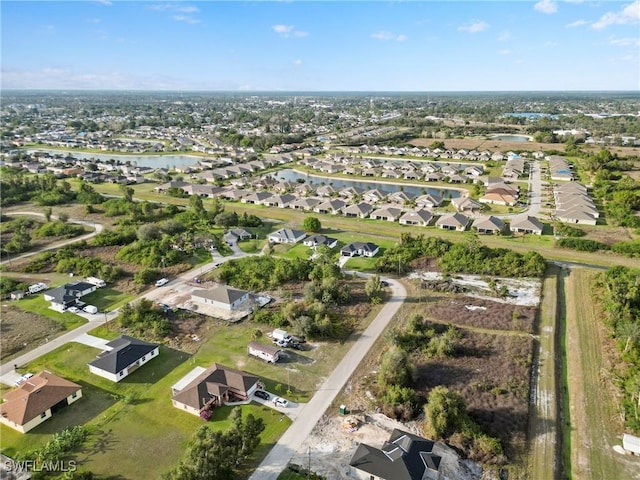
x: 619, y: 289
x: 41, y: 189
x: 262, y: 273
x: 144, y: 319
x: 462, y: 257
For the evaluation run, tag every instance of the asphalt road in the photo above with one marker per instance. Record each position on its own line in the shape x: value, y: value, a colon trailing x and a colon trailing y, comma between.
x: 280, y: 455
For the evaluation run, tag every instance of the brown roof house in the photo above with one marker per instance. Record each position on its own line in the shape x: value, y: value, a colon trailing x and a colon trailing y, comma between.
x: 36, y: 400
x: 202, y: 390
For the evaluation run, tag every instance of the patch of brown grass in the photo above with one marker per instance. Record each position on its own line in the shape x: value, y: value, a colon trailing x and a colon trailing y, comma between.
x: 20, y: 330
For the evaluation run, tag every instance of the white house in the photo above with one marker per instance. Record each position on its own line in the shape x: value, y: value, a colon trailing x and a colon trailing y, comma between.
x: 122, y: 357
x: 68, y: 294
x: 223, y: 297
x: 417, y: 217
x: 268, y: 353
x: 359, y: 249
x: 286, y: 235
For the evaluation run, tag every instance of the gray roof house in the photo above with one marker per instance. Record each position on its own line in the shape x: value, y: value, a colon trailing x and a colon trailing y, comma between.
x: 489, y: 225
x: 403, y: 457
x: 123, y: 356
x: 526, y: 224
x: 417, y: 217
x: 286, y: 235
x: 456, y: 221
x: 465, y: 204
x: 359, y: 249
x: 223, y: 297
x: 315, y: 241
x: 330, y: 206
x: 361, y: 210
x: 68, y: 294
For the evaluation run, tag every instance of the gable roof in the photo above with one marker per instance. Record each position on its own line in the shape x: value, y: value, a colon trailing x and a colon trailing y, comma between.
x: 216, y: 380
x: 124, y: 351
x: 288, y: 234
x: 222, y: 294
x: 403, y: 457
x: 35, y: 396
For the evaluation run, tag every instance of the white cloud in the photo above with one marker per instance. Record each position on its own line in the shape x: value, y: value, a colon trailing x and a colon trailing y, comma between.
x: 624, y: 42
x: 630, y: 14
x: 546, y: 6
x: 297, y: 62
x: 288, y: 31
x: 474, y: 26
x: 506, y: 51
x: 504, y: 36
x: 186, y: 19
x: 577, y: 23
x: 383, y: 35
x: 107, y: 3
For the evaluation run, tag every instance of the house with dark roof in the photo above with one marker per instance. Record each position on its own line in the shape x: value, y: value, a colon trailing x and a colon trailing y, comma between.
x: 315, y: 241
x: 488, y: 225
x: 68, y: 294
x: 223, y: 297
x: 454, y: 221
x: 526, y: 224
x: 234, y: 235
x: 214, y: 387
x: 123, y: 356
x: 359, y: 249
x: 36, y: 400
x: 419, y: 217
x: 403, y: 457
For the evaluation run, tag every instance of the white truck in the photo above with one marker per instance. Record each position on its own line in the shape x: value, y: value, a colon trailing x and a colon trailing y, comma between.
x: 37, y: 287
x: 281, y: 336
x: 90, y: 309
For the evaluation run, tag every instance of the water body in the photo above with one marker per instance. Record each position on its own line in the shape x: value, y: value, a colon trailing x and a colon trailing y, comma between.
x: 153, y: 161
x: 511, y: 138
x: 387, y: 188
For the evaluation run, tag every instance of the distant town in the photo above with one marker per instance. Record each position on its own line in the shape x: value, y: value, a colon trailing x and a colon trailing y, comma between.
x: 356, y: 285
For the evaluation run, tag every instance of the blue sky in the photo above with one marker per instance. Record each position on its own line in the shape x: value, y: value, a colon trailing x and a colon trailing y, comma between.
x: 321, y: 46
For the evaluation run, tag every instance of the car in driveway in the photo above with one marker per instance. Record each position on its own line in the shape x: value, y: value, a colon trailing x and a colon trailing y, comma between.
x: 23, y: 379
x: 262, y: 394
x: 280, y: 402
x: 73, y: 309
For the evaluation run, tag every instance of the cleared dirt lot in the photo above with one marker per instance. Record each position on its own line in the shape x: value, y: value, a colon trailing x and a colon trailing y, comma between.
x: 20, y: 330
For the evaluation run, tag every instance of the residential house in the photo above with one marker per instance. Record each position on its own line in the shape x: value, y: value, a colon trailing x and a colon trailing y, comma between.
x: 466, y: 204
x: 325, y: 191
x: 223, y: 297
x: 268, y: 353
x: 390, y: 214
x: 361, y: 210
x: 122, y: 357
x: 400, y: 198
x: 429, y: 200
x: 315, y: 241
x: 455, y: 221
x: 420, y: 217
x: 489, y: 225
x: 280, y: 201
x: 497, y: 197
x: 526, y: 224
x: 306, y: 204
x: 211, y: 388
x: 68, y: 294
x: 359, y: 249
x: 234, y: 235
x: 373, y: 196
x: 404, y: 456
x: 286, y: 235
x: 36, y: 400
x: 257, y: 198
x: 333, y: 206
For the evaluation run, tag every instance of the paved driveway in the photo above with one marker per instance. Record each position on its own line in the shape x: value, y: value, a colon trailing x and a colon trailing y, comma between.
x: 92, y: 341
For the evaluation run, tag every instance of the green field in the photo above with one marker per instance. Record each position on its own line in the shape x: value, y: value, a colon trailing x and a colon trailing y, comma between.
x: 107, y: 298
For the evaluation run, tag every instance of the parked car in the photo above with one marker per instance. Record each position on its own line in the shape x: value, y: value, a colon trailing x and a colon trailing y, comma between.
x: 281, y: 343
x: 23, y: 378
x: 384, y: 283
x: 297, y: 346
x: 280, y: 402
x: 74, y: 309
x: 90, y: 309
x: 298, y: 338
x: 161, y: 282
x: 261, y: 394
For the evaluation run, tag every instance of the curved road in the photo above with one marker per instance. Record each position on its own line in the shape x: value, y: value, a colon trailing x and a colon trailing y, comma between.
x: 280, y: 455
x: 98, y: 227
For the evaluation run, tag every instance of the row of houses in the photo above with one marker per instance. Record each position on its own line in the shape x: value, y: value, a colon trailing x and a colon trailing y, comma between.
x: 574, y: 204
x: 353, y: 249
x: 442, y: 153
x: 560, y: 169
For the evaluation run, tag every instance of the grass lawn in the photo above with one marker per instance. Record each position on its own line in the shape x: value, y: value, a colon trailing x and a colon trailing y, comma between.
x: 107, y: 298
x: 37, y: 304
x: 251, y: 246
x: 297, y: 251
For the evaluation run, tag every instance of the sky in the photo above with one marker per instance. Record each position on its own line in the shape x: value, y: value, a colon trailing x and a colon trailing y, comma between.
x: 416, y: 46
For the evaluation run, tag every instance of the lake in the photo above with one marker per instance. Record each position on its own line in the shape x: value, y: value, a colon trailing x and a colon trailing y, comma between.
x: 387, y: 188
x: 153, y: 161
